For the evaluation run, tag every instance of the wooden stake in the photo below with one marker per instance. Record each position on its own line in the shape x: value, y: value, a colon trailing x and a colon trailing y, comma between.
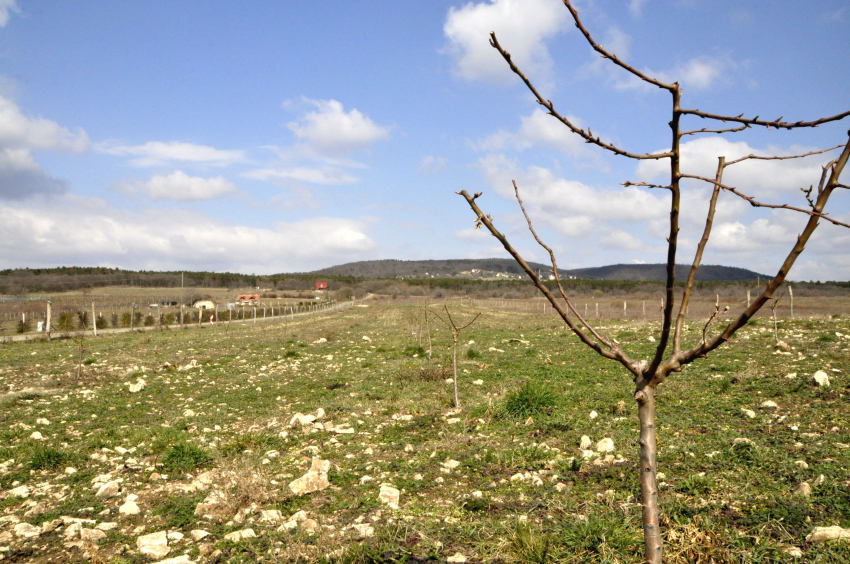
x: 93, y: 320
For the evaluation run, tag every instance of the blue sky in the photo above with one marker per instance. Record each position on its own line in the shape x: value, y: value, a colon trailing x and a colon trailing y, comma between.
x: 288, y: 136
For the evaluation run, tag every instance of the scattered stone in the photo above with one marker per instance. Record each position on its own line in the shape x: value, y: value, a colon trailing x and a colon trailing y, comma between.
x: 770, y: 404
x: 820, y: 534
x: 456, y: 557
x: 109, y: 489
x: 367, y: 338
x: 188, y: 413
x: 605, y: 445
x: 791, y: 375
x: 91, y: 535
x: 389, y: 495
x: 742, y: 441
x: 802, y: 464
x: 311, y: 525
x: 27, y: 531
x: 301, y: 420
x: 237, y: 536
x: 314, y: 480
x: 129, y: 508
x: 478, y: 382
x: 585, y: 442
x: 138, y: 386
x: 593, y: 415
x: 198, y: 534
x: 153, y: 544
x: 364, y: 530
x: 748, y: 412
x: 42, y: 421
x: 36, y: 436
x: 821, y: 379
x: 793, y: 551
x: 782, y: 346
x: 271, y: 515
x: 175, y: 536
x: 182, y: 559
x: 804, y: 490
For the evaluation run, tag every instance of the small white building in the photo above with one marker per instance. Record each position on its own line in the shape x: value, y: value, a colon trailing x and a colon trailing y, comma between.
x: 204, y: 304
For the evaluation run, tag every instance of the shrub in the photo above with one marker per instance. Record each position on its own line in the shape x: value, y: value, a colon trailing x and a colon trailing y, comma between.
x: 83, y: 319
x: 532, y: 398
x: 113, y: 320
x: 472, y: 354
x: 149, y: 320
x: 184, y: 457
x: 46, y: 458
x: 23, y: 326
x: 100, y: 322
x: 65, y: 321
x: 411, y: 350
x: 125, y: 319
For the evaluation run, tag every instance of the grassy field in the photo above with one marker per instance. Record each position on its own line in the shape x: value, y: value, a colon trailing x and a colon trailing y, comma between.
x: 209, y: 444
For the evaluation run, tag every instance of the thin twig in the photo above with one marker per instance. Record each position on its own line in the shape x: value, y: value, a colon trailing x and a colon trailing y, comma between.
x: 783, y: 158
x: 586, y: 135
x: 777, y: 123
x: 706, y: 130
x: 613, y: 58
x: 602, y: 339
x: 756, y: 204
x: 628, y: 183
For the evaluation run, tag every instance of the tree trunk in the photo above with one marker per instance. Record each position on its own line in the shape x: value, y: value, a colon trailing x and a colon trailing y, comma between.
x: 648, y: 488
x: 454, y: 368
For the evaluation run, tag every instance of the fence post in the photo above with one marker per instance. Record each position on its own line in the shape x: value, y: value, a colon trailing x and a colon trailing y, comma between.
x: 48, y: 319
x: 93, y: 320
x: 791, y: 295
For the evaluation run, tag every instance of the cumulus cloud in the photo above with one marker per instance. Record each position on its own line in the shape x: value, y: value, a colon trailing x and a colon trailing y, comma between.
x: 432, y: 165
x: 179, y: 186
x: 542, y: 130
x: 522, y: 26
x: 20, y: 174
x: 327, y: 138
x: 698, y: 73
x: 331, y: 130
x: 7, y: 6
x: 572, y: 208
x: 158, y: 153
x: 71, y: 230
x: 753, y: 177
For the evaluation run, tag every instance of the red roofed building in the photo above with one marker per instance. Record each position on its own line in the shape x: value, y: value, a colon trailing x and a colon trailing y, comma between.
x: 321, y: 286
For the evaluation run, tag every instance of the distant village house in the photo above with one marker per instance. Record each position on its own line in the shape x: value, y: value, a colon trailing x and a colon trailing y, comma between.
x: 321, y: 286
x: 248, y: 299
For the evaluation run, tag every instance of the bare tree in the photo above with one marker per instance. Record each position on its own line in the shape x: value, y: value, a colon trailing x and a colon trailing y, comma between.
x: 670, y: 356
x: 455, y: 330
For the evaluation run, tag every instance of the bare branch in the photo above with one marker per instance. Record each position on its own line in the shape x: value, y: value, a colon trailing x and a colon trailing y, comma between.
x: 635, y: 368
x: 773, y: 285
x: 777, y: 123
x: 842, y: 186
x: 711, y: 318
x: 613, y: 58
x: 586, y: 135
x: 709, y: 221
x: 628, y: 183
x: 603, y: 340
x: 756, y: 204
x: 706, y: 130
x: 756, y: 157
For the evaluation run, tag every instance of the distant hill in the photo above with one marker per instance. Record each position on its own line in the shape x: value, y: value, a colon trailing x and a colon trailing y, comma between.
x: 462, y: 268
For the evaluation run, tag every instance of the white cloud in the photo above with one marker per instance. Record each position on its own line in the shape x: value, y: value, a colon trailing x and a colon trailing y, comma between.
x: 71, y: 230
x: 7, y: 6
x: 698, y: 73
x: 573, y: 208
x: 326, y: 175
x: 432, y: 165
x: 17, y: 130
x: 780, y: 179
x: 522, y: 27
x: 330, y: 130
x: 20, y: 175
x: 636, y: 7
x: 179, y: 186
x: 542, y: 130
x: 158, y: 153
